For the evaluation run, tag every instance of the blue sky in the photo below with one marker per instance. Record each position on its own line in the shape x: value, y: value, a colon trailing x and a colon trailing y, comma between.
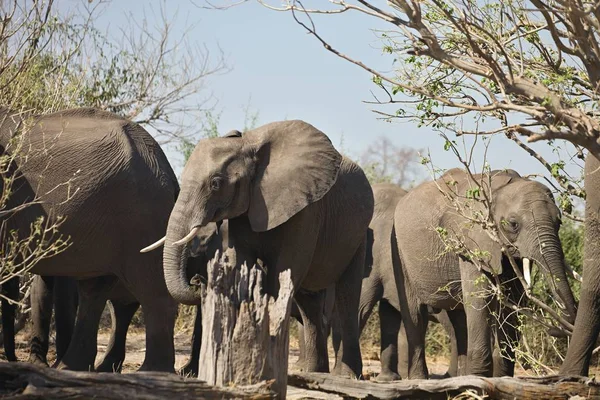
x: 284, y: 73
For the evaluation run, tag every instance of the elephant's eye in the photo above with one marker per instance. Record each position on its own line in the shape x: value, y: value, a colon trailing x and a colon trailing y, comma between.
x: 510, y: 224
x: 215, y: 183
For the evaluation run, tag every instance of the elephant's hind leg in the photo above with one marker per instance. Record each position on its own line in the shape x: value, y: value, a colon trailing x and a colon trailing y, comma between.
x: 42, y: 290
x: 121, y: 316
x: 66, y: 301
x: 390, y: 320
x: 347, y: 297
x: 310, y: 305
x: 93, y: 294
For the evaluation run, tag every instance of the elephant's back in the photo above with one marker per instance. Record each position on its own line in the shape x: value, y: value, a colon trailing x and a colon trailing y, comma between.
x: 107, y: 176
x: 101, y: 147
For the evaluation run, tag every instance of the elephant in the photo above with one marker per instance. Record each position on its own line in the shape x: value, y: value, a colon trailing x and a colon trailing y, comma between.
x: 380, y: 285
x: 291, y: 200
x: 114, y: 187
x: 434, y: 276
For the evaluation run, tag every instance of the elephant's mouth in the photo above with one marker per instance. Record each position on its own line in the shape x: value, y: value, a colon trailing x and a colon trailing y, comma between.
x: 524, y: 264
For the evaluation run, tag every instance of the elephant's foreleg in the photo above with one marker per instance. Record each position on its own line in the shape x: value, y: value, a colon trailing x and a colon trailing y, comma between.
x: 121, y: 316
x: 390, y: 320
x: 310, y: 305
x: 476, y: 298
x: 347, y: 297
x: 66, y: 300
x: 160, y: 311
x: 507, y: 338
x: 93, y: 294
x: 191, y: 367
x: 42, y: 290
x: 10, y: 289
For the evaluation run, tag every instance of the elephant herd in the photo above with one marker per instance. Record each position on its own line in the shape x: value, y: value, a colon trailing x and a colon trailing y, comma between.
x: 281, y: 194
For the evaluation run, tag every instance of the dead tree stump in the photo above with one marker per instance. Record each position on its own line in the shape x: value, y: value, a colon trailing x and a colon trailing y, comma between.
x: 244, y: 332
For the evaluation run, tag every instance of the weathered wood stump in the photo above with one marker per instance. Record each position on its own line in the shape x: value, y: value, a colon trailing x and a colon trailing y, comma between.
x: 244, y: 332
x: 21, y: 381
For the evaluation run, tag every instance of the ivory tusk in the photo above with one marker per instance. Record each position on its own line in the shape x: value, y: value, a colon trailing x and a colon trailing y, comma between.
x: 527, y: 271
x: 187, y: 237
x: 154, y: 245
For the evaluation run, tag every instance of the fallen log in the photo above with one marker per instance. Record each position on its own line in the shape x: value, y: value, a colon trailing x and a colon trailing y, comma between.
x: 24, y: 381
x: 550, y: 387
x: 244, y: 331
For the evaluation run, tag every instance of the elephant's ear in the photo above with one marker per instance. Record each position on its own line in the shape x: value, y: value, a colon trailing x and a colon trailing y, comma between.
x: 296, y: 165
x: 487, y: 253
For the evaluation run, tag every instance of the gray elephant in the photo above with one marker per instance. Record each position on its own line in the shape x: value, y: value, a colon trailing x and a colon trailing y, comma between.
x: 425, y: 222
x: 113, y: 184
x: 380, y: 285
x: 295, y: 203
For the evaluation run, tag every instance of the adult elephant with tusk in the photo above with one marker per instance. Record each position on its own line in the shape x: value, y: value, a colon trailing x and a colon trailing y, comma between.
x: 527, y: 221
x: 294, y: 202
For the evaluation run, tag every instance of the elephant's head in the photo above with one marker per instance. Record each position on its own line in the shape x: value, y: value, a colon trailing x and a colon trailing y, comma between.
x: 528, y: 218
x: 268, y: 174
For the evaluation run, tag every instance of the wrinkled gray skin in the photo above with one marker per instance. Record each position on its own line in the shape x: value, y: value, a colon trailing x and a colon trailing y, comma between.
x: 587, y: 324
x: 531, y: 224
x: 288, y: 195
x: 121, y: 192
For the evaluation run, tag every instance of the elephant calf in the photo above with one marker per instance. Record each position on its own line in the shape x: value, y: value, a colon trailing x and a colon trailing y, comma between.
x: 425, y: 222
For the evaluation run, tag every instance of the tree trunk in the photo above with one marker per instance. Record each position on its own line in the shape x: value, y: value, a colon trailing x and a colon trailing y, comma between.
x: 244, y: 332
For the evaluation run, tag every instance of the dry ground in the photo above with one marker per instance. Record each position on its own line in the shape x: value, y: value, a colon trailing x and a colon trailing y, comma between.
x: 136, y: 346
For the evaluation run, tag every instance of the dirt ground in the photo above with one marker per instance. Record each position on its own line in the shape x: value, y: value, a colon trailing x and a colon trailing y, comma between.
x: 136, y: 347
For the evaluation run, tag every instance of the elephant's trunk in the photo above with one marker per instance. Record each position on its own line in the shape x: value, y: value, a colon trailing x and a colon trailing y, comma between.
x: 175, y: 259
x: 549, y: 252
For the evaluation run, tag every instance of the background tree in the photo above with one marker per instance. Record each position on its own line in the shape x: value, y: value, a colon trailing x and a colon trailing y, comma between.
x: 383, y: 161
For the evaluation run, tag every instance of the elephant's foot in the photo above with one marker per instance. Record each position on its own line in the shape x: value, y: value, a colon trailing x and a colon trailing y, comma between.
x: 189, y: 369
x: 37, y: 359
x: 387, y: 376
x: 76, y: 365
x: 345, y: 371
x: 156, y: 367
x: 110, y: 366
